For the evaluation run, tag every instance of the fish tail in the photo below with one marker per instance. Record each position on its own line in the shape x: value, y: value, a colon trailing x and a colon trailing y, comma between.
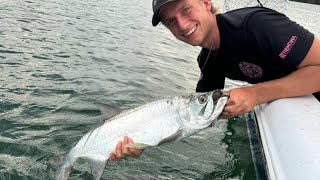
x: 63, y: 172
x: 63, y: 165
x: 97, y: 166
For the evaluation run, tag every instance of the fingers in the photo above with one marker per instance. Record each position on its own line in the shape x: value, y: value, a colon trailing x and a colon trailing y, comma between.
x: 118, y: 153
x: 231, y: 110
x: 123, y: 151
x: 134, y: 152
x: 240, y: 101
x: 119, y: 148
x: 227, y: 114
x: 230, y: 100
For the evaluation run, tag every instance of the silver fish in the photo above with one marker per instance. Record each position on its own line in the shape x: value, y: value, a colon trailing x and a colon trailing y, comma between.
x: 153, y: 124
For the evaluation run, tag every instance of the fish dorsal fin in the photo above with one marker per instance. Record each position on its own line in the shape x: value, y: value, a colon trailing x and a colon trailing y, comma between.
x: 57, y: 160
x: 107, y: 110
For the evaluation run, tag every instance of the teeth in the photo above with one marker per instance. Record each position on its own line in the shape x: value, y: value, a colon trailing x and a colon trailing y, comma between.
x: 191, y: 31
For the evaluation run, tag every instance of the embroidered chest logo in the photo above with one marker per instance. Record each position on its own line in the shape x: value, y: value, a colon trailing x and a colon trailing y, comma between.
x: 251, y: 70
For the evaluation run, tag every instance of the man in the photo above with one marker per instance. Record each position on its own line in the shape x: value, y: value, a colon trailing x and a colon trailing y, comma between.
x: 256, y: 45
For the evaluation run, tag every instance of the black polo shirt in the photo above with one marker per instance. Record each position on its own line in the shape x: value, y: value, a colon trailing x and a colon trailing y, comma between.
x: 256, y: 44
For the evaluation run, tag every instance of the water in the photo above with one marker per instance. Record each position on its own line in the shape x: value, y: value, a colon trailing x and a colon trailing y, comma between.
x: 57, y: 58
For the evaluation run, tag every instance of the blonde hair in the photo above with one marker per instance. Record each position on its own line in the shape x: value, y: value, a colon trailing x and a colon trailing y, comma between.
x: 214, y: 9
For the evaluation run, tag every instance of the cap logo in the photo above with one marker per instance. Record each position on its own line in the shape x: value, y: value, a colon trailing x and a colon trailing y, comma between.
x: 155, y: 2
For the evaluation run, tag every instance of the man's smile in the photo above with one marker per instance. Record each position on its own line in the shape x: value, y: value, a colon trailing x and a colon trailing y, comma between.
x: 190, y: 31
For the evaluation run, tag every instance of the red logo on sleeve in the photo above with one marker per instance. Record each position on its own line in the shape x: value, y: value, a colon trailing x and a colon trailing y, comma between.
x: 288, y: 47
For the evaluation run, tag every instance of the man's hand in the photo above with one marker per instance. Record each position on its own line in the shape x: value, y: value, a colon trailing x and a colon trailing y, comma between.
x: 122, y: 151
x: 241, y: 101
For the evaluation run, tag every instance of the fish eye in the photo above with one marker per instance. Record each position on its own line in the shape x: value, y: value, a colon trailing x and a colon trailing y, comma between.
x: 202, y: 99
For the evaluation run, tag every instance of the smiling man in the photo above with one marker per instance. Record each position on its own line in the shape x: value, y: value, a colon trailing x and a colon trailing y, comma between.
x: 190, y: 23
x: 255, y: 44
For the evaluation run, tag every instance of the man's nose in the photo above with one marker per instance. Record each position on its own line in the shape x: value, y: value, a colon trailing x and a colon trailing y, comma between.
x: 182, y: 23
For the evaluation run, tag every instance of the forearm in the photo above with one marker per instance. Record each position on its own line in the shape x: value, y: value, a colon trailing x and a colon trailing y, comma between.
x: 301, y: 82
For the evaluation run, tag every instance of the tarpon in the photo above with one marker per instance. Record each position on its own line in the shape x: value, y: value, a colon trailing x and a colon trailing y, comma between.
x: 153, y: 124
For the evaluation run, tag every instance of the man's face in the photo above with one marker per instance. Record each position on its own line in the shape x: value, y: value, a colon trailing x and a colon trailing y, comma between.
x: 188, y: 20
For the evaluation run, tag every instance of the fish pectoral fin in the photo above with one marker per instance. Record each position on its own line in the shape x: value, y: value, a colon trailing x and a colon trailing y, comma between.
x: 97, y: 167
x: 174, y: 137
x: 139, y: 146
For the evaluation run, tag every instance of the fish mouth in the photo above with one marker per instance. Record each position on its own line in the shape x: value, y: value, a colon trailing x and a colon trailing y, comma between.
x: 204, y: 115
x: 202, y: 112
x: 215, y: 96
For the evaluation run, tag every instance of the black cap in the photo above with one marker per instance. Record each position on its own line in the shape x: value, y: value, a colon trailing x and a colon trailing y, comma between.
x: 156, y: 6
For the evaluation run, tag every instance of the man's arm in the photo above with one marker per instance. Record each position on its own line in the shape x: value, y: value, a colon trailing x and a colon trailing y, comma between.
x: 305, y: 80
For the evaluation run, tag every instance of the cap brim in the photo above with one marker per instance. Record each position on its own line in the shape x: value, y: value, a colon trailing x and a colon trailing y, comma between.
x: 156, y: 18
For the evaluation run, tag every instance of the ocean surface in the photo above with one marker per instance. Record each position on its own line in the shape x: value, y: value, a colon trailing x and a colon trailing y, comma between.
x: 60, y: 57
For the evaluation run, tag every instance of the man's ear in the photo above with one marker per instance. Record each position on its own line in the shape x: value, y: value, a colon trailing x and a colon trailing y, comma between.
x: 207, y: 4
